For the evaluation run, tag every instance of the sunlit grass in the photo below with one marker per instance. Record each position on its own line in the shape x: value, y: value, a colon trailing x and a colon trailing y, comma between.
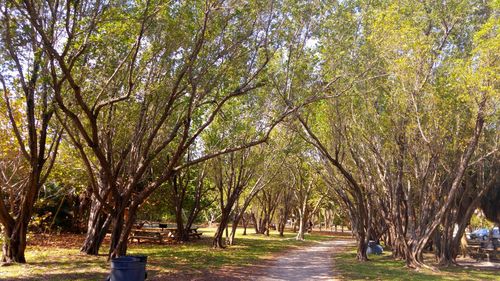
x: 384, y: 267
x: 56, y: 263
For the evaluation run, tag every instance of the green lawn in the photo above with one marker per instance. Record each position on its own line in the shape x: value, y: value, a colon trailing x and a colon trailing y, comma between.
x: 66, y: 263
x: 52, y: 261
x: 384, y: 267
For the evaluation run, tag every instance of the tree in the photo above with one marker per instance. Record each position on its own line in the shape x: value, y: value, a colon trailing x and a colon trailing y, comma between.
x: 305, y: 184
x: 270, y: 172
x: 421, y: 90
x: 27, y: 104
x: 400, y: 120
x: 232, y: 175
x: 265, y: 173
x: 189, y: 192
x: 173, y: 91
x: 285, y: 206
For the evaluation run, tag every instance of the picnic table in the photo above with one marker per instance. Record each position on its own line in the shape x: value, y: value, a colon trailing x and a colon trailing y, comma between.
x: 192, y: 232
x: 160, y: 234
x: 480, y: 251
x: 149, y: 235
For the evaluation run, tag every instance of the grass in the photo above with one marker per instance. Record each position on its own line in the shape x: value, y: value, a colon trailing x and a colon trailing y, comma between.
x: 63, y: 261
x: 56, y: 262
x: 384, y: 267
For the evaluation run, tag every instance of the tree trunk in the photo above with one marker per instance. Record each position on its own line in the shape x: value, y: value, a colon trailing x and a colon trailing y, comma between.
x: 195, y: 210
x: 362, y: 247
x: 359, y: 222
x: 282, y: 221
x: 415, y: 258
x: 240, y: 216
x: 182, y: 232
x: 116, y: 233
x: 16, y: 229
x: 263, y: 223
x: 459, y: 242
x: 281, y: 225
x: 14, y: 244
x: 445, y: 249
x: 219, y: 233
x: 95, y: 236
x: 281, y: 228
x: 224, y: 221
x: 302, y: 227
x: 98, y: 225
x: 255, y: 225
x: 233, y: 230
x: 119, y: 245
x: 245, y: 224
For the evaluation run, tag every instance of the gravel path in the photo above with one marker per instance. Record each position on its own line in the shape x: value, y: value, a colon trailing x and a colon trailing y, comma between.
x: 312, y: 263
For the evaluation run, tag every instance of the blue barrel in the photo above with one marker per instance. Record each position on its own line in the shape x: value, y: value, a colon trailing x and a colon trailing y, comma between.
x: 128, y: 268
x: 143, y: 260
x: 374, y: 248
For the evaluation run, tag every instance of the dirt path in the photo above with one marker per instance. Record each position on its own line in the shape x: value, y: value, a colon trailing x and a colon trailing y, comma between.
x: 308, y: 263
x: 312, y: 263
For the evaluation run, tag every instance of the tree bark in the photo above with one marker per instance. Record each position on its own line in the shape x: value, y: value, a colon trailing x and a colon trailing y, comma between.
x: 119, y: 237
x: 15, y: 243
x: 16, y: 229
x: 182, y: 233
x: 98, y: 225
x: 219, y: 233
x: 255, y: 224
x: 362, y: 247
x: 116, y: 233
x: 302, y: 227
x: 244, y: 220
x: 415, y: 258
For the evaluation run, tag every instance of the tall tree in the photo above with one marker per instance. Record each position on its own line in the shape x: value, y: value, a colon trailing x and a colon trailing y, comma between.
x: 169, y: 86
x: 27, y: 102
x: 232, y: 175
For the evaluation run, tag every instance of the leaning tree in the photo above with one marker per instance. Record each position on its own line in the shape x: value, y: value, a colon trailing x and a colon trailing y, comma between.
x: 135, y: 109
x: 29, y: 150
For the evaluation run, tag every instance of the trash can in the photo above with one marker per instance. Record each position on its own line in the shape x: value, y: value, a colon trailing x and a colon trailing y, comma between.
x: 128, y: 268
x: 374, y: 248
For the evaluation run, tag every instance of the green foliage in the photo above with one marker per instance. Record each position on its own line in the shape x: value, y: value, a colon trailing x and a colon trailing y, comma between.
x: 54, y: 209
x: 479, y: 221
x: 392, y: 82
x: 158, y: 206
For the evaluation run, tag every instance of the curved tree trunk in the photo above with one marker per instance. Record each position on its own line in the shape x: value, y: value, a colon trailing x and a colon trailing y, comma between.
x: 255, y: 224
x: 234, y: 227
x: 16, y: 229
x: 116, y: 233
x: 219, y: 233
x: 302, y: 226
x: 98, y: 225
x: 120, y: 246
x: 362, y: 247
